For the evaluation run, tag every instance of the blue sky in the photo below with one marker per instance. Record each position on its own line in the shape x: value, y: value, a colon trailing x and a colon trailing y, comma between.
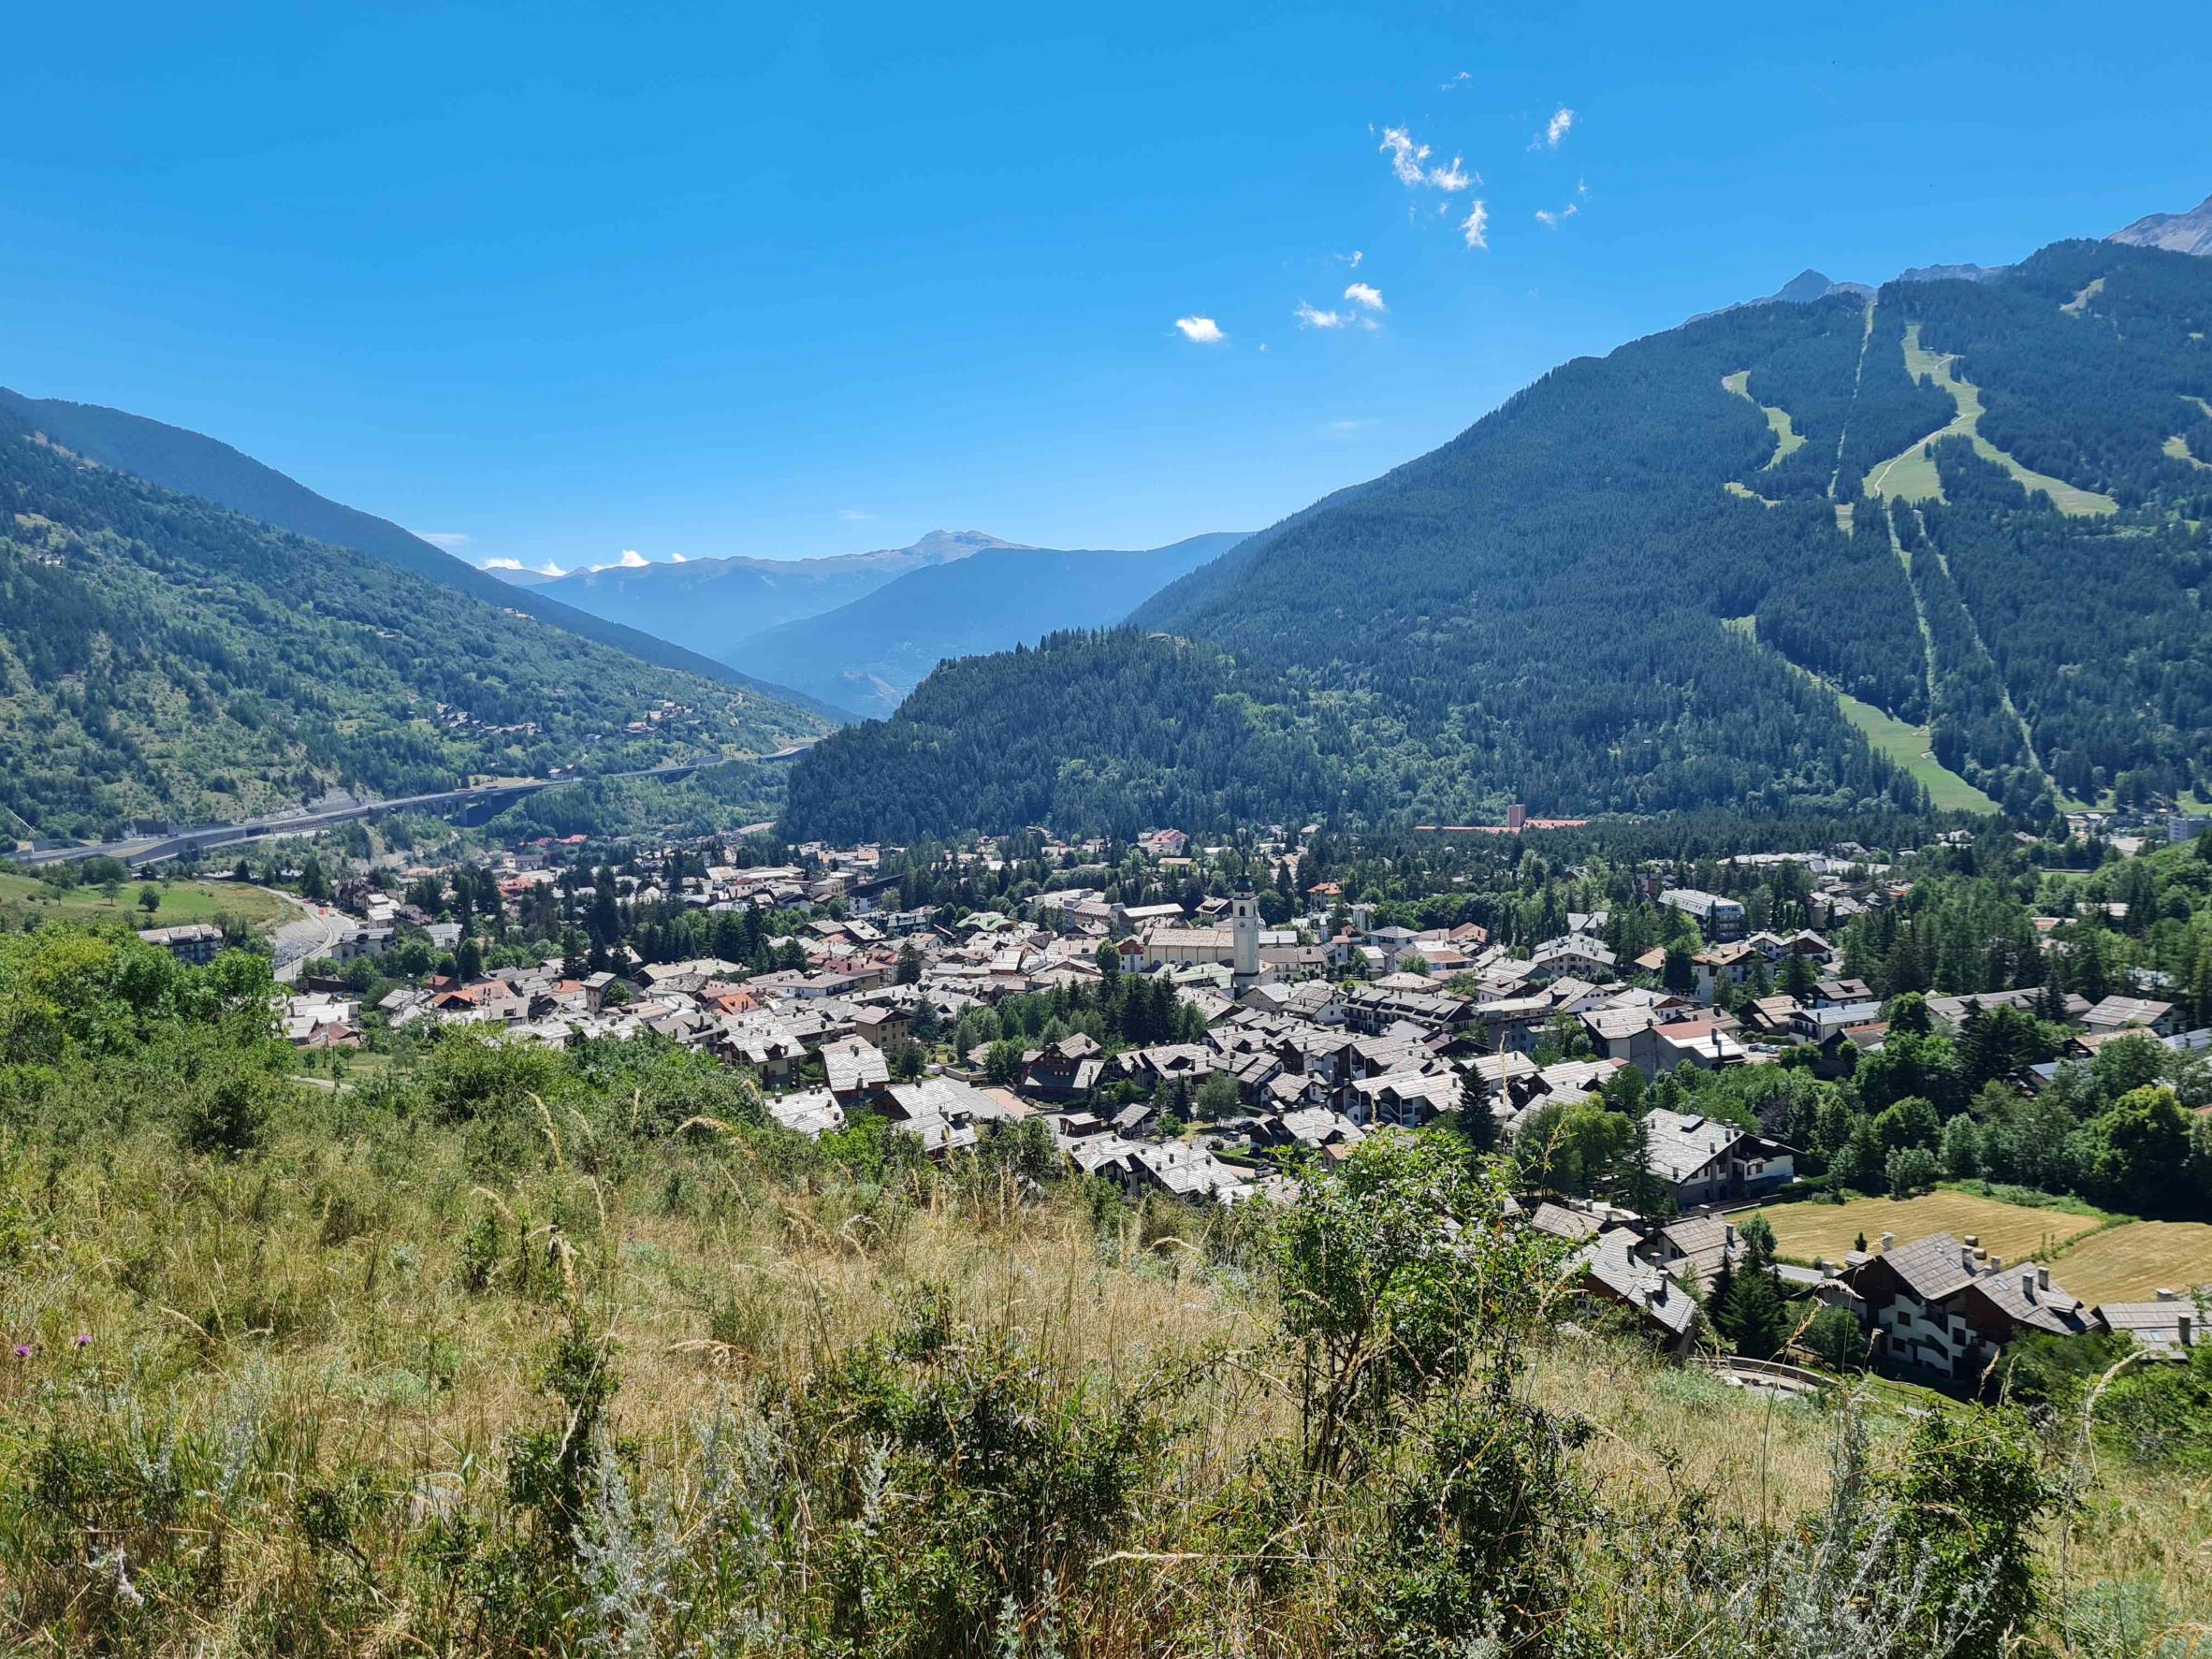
x: 568, y: 281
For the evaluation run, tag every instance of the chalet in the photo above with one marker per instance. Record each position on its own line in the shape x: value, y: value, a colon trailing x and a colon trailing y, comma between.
x: 2119, y: 1013
x: 1374, y: 1009
x: 1610, y: 1271
x: 1944, y: 1309
x: 1065, y: 1069
x: 855, y: 1070
x: 2170, y: 1327
x: 1578, y: 953
x: 1704, y: 1160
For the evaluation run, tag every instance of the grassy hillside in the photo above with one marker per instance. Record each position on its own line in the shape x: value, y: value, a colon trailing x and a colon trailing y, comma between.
x: 526, y: 1352
x: 27, y: 901
x: 867, y: 655
x: 161, y: 657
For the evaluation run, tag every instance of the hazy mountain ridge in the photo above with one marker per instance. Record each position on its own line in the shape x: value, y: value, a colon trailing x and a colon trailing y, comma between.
x: 709, y: 605
x: 868, y: 654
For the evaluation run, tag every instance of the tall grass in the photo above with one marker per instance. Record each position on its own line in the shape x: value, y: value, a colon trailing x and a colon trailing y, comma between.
x: 382, y: 1386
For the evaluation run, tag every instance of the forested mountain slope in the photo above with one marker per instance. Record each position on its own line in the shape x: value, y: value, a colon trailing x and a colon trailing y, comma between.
x: 867, y: 655
x: 195, y: 464
x: 162, y: 656
x: 1613, y: 592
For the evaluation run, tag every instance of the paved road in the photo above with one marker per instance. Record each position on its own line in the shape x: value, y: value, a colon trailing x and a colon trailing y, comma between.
x: 200, y: 837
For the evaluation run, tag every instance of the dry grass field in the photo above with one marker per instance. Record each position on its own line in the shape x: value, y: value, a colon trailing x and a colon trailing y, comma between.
x: 2129, y: 1264
x: 1804, y: 1231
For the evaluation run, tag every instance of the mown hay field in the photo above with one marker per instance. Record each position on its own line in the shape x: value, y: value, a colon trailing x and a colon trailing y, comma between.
x: 2133, y: 1262
x: 1803, y: 1232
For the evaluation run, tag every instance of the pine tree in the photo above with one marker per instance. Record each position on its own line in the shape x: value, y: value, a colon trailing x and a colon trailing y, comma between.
x: 1478, y: 1125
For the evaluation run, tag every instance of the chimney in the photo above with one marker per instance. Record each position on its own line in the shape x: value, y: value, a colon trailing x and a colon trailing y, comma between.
x: 2027, y: 1284
x: 1729, y: 1233
x: 1973, y: 1241
x: 2163, y: 1294
x: 1887, y: 1239
x: 2187, y: 1327
x: 1996, y: 1264
x: 2043, y: 1278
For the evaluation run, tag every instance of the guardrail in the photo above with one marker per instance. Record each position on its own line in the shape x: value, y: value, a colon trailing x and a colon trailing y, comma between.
x: 1774, y: 1368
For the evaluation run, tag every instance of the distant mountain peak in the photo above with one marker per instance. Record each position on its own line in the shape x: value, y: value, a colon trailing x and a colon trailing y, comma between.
x: 2177, y: 233
x: 1806, y: 286
x: 956, y: 541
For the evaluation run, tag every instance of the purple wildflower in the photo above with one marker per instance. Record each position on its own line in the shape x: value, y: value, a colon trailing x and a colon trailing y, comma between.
x: 22, y: 1350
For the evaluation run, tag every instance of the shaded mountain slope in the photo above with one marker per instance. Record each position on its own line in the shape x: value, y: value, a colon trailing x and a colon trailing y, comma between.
x: 164, y: 658
x: 195, y: 464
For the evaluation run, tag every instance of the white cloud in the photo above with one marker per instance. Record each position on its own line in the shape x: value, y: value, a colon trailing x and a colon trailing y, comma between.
x: 1204, y: 330
x: 1551, y: 220
x: 1405, y: 155
x: 1456, y: 81
x: 550, y: 569
x: 1344, y: 429
x: 633, y: 558
x: 1454, y: 177
x: 1476, y: 226
x: 497, y: 563
x: 1408, y: 156
x: 1557, y: 129
x: 853, y: 515
x: 1363, y: 294
x: 675, y: 559
x: 1352, y: 258
x: 451, y: 540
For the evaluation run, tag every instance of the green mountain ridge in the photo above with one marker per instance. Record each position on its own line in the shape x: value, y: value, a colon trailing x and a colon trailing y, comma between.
x: 164, y: 657
x: 1540, y: 611
x: 194, y: 464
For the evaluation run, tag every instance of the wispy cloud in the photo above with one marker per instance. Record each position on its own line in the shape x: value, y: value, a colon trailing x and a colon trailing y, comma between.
x: 1364, y: 293
x: 1204, y: 330
x: 1551, y: 220
x: 453, y: 540
x: 1313, y: 316
x: 1475, y: 225
x: 1453, y: 178
x: 546, y: 569
x: 853, y: 515
x: 1405, y: 155
x: 497, y: 563
x: 1344, y: 429
x: 1409, y: 161
x: 1456, y: 81
x: 1352, y: 258
x: 1556, y: 129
